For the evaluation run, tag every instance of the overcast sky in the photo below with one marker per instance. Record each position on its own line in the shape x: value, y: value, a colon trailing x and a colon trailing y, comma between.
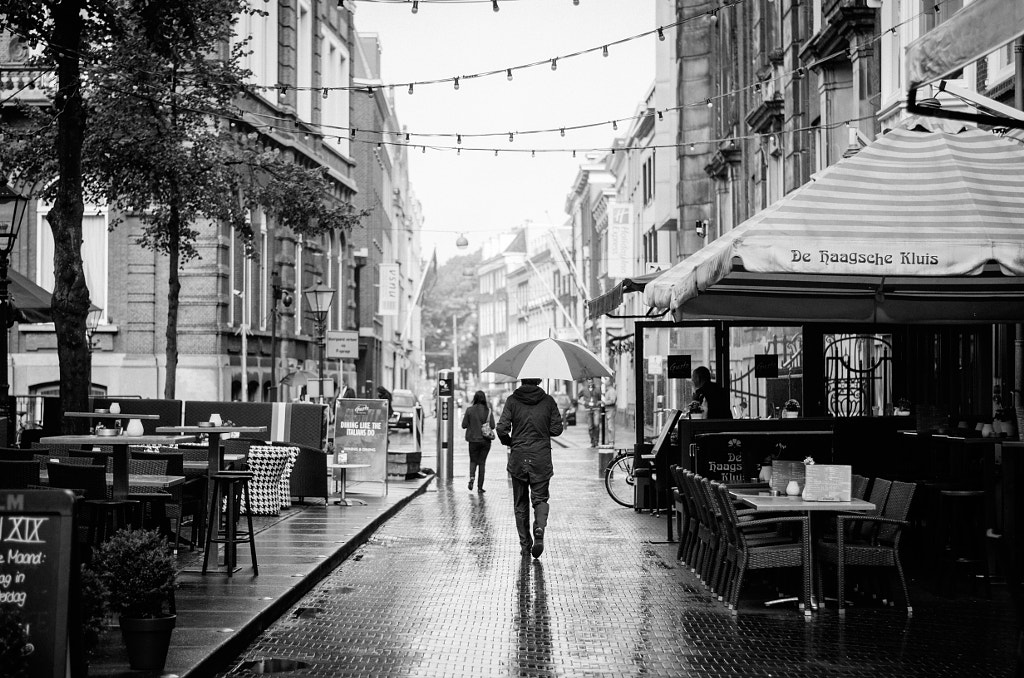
x: 475, y: 192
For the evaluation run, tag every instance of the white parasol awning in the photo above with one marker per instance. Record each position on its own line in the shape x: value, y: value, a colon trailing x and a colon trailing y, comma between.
x: 932, y: 200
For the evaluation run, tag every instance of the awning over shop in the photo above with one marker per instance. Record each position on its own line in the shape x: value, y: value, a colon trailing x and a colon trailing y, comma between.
x: 30, y: 301
x: 980, y: 28
x: 612, y: 299
x: 920, y: 225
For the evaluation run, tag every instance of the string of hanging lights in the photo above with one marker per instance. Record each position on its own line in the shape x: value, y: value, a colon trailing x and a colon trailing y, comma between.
x: 793, y: 75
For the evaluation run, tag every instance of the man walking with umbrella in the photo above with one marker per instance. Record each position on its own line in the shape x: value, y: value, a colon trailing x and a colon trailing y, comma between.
x: 527, y: 424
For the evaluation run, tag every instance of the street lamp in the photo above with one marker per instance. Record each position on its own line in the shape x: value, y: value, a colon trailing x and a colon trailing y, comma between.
x: 319, y: 297
x: 13, y: 206
x: 92, y: 321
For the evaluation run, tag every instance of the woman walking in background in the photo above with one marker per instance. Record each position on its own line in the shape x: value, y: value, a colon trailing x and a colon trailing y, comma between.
x: 479, y: 424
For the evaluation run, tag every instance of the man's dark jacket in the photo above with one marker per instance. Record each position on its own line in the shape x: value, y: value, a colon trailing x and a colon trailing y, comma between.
x: 716, y: 399
x: 527, y: 424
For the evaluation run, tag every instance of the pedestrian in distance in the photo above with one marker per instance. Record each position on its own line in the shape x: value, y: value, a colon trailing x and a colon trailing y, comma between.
x: 479, y: 424
x: 527, y: 424
x: 349, y: 392
x: 713, y: 397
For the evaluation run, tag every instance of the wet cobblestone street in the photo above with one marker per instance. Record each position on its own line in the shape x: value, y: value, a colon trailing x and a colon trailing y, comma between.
x: 440, y: 590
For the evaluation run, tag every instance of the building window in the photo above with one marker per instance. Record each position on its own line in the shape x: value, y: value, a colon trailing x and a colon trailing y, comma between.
x: 334, y: 74
x: 261, y: 50
x: 304, y: 63
x: 94, y: 254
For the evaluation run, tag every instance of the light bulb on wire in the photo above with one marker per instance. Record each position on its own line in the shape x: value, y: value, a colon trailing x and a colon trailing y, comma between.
x: 494, y: 5
x: 415, y: 6
x: 508, y: 74
x: 661, y: 34
x: 554, y: 64
x: 604, y: 51
x: 456, y: 83
x: 410, y: 88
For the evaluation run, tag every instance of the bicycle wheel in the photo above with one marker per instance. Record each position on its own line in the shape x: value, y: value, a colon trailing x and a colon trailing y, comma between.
x: 618, y: 479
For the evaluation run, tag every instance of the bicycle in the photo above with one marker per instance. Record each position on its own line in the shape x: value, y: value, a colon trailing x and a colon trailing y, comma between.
x: 619, y: 479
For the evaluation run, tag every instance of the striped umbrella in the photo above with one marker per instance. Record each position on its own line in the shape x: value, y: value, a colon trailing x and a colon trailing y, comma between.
x: 930, y: 199
x: 549, y: 359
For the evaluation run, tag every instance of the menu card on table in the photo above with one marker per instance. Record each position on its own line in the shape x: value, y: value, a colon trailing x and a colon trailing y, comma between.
x: 828, y: 482
x: 785, y: 471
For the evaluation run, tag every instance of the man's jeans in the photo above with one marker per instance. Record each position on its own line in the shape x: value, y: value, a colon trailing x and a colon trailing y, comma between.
x: 523, y: 494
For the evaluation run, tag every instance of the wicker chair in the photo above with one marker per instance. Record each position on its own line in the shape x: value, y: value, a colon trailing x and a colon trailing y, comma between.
x: 15, y: 454
x: 309, y: 477
x: 102, y: 515
x: 686, y: 514
x: 858, y: 486
x: 753, y: 552
x: 186, y: 499
x: 18, y: 474
x: 875, y: 544
x: 104, y: 459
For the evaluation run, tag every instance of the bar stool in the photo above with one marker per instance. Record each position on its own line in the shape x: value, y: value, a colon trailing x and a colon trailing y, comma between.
x: 228, y: 486
x: 962, y: 534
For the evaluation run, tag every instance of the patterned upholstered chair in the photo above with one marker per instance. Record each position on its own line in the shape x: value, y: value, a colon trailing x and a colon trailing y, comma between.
x: 267, y: 464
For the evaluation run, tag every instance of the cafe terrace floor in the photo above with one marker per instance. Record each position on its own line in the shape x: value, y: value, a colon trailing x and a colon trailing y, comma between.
x: 428, y: 581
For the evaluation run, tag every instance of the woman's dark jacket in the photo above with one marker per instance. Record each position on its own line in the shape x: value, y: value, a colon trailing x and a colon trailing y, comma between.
x: 474, y: 419
x: 527, y: 424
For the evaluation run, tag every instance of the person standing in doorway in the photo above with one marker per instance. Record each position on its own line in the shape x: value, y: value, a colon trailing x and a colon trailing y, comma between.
x: 477, y: 417
x: 713, y: 397
x: 527, y: 424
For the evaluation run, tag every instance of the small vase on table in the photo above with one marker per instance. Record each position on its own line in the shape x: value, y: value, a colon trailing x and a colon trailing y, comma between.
x: 134, y: 428
x: 793, y: 488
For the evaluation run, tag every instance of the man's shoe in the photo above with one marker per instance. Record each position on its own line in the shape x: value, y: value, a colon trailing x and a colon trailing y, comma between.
x: 479, y: 489
x: 470, y: 485
x: 538, y: 542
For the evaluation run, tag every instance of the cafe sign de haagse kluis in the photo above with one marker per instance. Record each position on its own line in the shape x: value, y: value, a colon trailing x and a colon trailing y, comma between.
x: 826, y: 258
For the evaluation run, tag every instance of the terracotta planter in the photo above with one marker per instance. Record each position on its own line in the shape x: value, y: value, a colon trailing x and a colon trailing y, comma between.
x: 147, y: 641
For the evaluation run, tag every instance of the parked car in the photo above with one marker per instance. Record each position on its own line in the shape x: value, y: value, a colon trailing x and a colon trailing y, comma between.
x: 567, y: 407
x: 404, y: 402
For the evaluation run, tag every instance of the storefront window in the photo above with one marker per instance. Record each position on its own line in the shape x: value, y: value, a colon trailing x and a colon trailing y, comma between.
x: 858, y: 374
x: 766, y: 371
x: 670, y: 354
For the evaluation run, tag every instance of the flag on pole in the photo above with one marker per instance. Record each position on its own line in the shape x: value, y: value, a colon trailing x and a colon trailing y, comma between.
x: 428, y: 279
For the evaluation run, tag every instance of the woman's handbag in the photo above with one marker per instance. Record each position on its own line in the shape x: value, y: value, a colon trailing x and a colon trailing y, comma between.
x: 485, y: 430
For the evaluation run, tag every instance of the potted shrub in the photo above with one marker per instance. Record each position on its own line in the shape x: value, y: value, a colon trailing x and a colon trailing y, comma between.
x: 695, y: 410
x: 94, y: 609
x: 791, y: 409
x: 14, y: 649
x: 139, y: 572
x: 901, y: 408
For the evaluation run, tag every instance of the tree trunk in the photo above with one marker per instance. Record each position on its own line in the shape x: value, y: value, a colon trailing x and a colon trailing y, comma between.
x: 70, y: 303
x: 173, y: 292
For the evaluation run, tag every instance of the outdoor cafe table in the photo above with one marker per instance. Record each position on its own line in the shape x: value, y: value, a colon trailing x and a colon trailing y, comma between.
x: 215, y: 456
x: 765, y: 501
x: 120, y: 445
x: 160, y: 482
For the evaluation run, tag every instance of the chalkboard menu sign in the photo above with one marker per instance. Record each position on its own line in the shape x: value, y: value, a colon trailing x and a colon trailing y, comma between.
x: 766, y: 366
x: 725, y: 458
x: 785, y: 471
x: 828, y: 482
x: 679, y: 367
x: 35, y: 567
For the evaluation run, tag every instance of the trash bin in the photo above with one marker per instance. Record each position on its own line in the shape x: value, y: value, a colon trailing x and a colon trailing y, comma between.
x: 605, y: 453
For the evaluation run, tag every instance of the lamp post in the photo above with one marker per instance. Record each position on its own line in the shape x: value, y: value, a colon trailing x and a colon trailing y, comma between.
x: 92, y: 321
x: 282, y: 296
x: 319, y: 297
x: 13, y: 206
